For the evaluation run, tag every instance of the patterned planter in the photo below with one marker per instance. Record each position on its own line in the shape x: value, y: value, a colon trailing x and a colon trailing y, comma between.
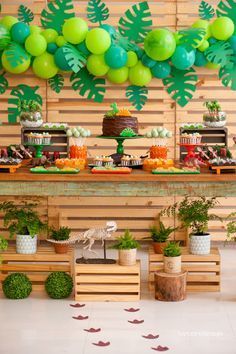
x: 127, y: 257
x: 200, y: 244
x: 25, y: 244
x: 172, y: 265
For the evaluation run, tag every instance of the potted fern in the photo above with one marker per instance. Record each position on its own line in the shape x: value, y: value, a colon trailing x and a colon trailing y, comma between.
x: 30, y: 113
x: 24, y: 222
x: 172, y: 258
x: 160, y: 235
x: 127, y: 247
x: 214, y: 118
x: 3, y: 245
x: 62, y: 234
x: 231, y: 227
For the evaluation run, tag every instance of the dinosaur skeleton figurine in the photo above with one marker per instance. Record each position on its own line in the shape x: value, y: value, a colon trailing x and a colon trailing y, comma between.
x: 90, y: 236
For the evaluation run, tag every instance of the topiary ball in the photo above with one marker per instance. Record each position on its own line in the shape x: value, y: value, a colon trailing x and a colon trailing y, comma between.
x: 59, y: 285
x: 17, y: 286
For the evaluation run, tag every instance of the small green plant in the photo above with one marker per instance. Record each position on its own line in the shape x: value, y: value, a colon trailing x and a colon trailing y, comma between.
x: 22, y: 219
x: 213, y: 107
x: 59, y: 285
x: 126, y: 242
x: 3, y: 245
x: 29, y: 106
x: 231, y: 227
x: 62, y: 234
x: 161, y: 233
x: 172, y: 249
x: 17, y: 286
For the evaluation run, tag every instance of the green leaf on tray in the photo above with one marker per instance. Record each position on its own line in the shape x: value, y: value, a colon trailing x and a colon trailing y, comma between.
x: 56, y: 83
x: 206, y: 11
x: 227, y: 8
x: 181, y: 84
x: 15, y: 54
x: 221, y: 53
x: 137, y: 96
x: 136, y: 23
x: 228, y: 76
x: 56, y: 13
x: 74, y: 58
x: 3, y: 84
x: 191, y: 37
x: 25, y: 14
x: 88, y: 85
x: 97, y: 11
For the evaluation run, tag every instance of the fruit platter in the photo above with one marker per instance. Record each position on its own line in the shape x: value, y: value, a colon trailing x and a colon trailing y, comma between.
x: 175, y: 171
x: 111, y: 170
x: 54, y: 170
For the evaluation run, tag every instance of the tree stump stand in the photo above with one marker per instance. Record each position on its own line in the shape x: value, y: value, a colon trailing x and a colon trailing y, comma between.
x: 170, y: 287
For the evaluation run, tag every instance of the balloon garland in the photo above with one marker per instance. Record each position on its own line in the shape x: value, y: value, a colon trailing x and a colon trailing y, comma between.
x: 134, y: 52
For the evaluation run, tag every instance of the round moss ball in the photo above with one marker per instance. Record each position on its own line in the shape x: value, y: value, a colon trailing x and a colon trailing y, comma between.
x: 59, y: 285
x: 17, y: 286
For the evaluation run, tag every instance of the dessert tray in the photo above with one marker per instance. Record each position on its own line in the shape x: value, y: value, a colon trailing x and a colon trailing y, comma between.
x: 54, y: 170
x: 10, y: 164
x: 175, y: 171
x: 111, y: 170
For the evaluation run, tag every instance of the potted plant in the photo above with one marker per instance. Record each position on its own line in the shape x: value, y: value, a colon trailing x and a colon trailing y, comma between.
x: 127, y: 247
x: 172, y: 258
x: 3, y: 245
x: 194, y: 214
x: 62, y: 234
x: 30, y: 113
x: 160, y: 236
x: 231, y: 227
x: 24, y: 222
x: 214, y: 118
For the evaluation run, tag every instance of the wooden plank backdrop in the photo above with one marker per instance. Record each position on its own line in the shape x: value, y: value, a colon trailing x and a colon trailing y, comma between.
x: 136, y: 213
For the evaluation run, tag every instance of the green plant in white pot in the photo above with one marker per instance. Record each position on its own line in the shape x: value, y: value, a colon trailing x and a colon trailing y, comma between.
x: 30, y: 113
x: 172, y: 258
x: 24, y: 222
x: 127, y: 247
x: 214, y: 118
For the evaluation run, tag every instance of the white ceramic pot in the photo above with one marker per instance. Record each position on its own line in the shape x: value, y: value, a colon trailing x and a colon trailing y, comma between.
x: 172, y: 265
x: 127, y: 257
x: 25, y: 244
x: 200, y: 244
x: 215, y: 121
x: 31, y: 124
x: 215, y: 124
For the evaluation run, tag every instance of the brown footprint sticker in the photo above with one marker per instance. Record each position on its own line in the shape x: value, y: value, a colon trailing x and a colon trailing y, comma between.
x: 136, y: 321
x: 80, y: 318
x: 131, y: 309
x: 93, y: 330
x: 77, y: 305
x: 151, y: 336
x: 160, y: 348
x: 102, y: 344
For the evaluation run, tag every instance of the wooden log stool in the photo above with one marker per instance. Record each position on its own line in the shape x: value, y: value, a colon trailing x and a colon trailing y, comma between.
x: 170, y: 287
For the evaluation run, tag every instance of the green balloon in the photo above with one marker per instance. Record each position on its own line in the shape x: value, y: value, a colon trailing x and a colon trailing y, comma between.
x: 74, y: 30
x: 204, y: 25
x: 8, y: 21
x: 96, y: 65
x: 140, y: 75
x: 5, y: 37
x: 51, y: 48
x: 222, y: 28
x: 60, y: 60
x: 161, y: 70
x: 35, y: 44
x: 212, y: 66
x: 132, y: 59
x: 205, y: 44
x: 35, y: 29
x: 19, y: 69
x: 160, y: 44
x: 83, y: 49
x: 44, y: 66
x: 118, y: 76
x: 50, y: 35
x: 60, y: 41
x: 98, y: 41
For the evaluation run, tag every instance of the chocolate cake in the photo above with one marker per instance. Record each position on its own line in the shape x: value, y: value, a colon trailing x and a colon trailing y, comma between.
x: 113, y: 126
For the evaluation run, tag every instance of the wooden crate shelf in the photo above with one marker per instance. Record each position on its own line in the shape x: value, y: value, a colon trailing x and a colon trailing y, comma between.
x: 203, y: 271
x: 36, y: 266
x: 107, y: 282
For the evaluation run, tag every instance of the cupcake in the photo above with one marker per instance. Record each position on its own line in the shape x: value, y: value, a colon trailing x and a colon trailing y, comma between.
x: 125, y: 160
x: 46, y: 138
x: 135, y: 161
x: 98, y: 161
x: 108, y: 161
x: 35, y: 138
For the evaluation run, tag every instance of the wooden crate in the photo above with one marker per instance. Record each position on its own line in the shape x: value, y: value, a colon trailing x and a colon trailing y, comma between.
x: 107, y: 282
x: 36, y: 266
x: 203, y: 271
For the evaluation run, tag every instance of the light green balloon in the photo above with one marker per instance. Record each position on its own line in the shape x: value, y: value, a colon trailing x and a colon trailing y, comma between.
x: 19, y: 69
x: 160, y: 44
x: 118, y: 76
x: 74, y: 30
x: 35, y: 29
x: 140, y: 75
x: 98, y: 41
x: 132, y: 59
x: 60, y: 41
x: 222, y: 28
x: 212, y: 66
x: 50, y: 35
x: 205, y: 44
x: 96, y: 65
x: 44, y: 66
x: 204, y: 25
x: 35, y: 44
x: 8, y: 21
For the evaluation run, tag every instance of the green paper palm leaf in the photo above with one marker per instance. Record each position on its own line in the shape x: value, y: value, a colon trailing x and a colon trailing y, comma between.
x: 228, y: 76
x: 88, y: 85
x: 123, y: 42
x: 15, y: 54
x: 227, y: 8
x: 220, y: 53
x: 97, y: 11
x: 21, y: 92
x: 206, y: 11
x: 3, y: 84
x: 136, y: 23
x: 56, y: 83
x: 56, y: 14
x: 25, y: 14
x: 181, y: 84
x: 74, y: 58
x: 191, y: 37
x: 137, y: 96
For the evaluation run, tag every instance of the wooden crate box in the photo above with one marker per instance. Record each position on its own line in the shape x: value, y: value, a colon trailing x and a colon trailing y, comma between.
x: 36, y: 266
x: 107, y: 282
x: 203, y: 271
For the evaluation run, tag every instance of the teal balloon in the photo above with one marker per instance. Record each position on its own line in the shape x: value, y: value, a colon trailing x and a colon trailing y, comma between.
x: 139, y: 51
x: 110, y: 29
x: 147, y: 61
x: 212, y: 40
x: 116, y: 57
x: 51, y: 48
x: 183, y: 58
x: 82, y: 48
x: 19, y: 32
x: 200, y: 59
x: 161, y: 70
x: 232, y: 42
x: 60, y: 60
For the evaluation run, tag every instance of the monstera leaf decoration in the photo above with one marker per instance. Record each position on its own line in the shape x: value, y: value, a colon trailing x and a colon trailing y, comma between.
x: 56, y: 83
x: 136, y: 23
x: 137, y: 96
x: 15, y: 54
x: 181, y: 84
x: 220, y: 53
x: 227, y: 8
x: 58, y: 11
x: 191, y: 37
x: 25, y: 14
x: 123, y: 42
x: 74, y: 58
x: 206, y: 11
x: 3, y: 84
x: 228, y: 76
x: 97, y: 12
x: 88, y: 85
